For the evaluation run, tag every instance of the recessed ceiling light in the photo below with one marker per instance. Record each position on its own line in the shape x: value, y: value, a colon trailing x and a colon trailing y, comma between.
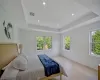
x: 73, y: 14
x: 44, y: 3
x: 38, y: 21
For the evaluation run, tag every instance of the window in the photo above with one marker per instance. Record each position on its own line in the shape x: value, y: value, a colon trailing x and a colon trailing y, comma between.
x: 67, y: 43
x: 95, y: 42
x: 44, y: 43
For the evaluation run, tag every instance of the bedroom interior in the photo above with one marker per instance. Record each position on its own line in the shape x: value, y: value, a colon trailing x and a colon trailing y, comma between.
x: 49, y: 40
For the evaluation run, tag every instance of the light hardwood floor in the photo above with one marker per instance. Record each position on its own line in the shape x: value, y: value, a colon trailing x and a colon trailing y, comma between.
x: 76, y: 71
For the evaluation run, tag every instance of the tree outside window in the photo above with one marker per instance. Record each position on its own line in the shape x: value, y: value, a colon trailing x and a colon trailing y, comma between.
x: 67, y: 42
x: 44, y: 43
x: 95, y: 45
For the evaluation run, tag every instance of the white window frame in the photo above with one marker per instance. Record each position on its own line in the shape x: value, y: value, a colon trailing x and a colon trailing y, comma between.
x: 64, y: 43
x: 90, y: 44
x: 43, y: 49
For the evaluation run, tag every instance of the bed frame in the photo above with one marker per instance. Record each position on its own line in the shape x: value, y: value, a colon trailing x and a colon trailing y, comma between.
x: 9, y: 51
x: 53, y: 76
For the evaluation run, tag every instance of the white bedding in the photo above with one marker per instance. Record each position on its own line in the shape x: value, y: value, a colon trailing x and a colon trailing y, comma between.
x: 10, y: 73
x: 34, y: 71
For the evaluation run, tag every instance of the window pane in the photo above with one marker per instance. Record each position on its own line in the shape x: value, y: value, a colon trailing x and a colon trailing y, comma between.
x: 96, y: 42
x: 96, y: 36
x: 44, y: 43
x: 47, y: 43
x: 96, y: 48
x: 40, y: 43
x: 67, y: 43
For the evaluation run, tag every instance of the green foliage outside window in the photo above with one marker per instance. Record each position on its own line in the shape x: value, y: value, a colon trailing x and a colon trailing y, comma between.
x: 96, y: 42
x: 48, y: 41
x: 40, y: 42
x: 67, y: 42
x: 44, y: 43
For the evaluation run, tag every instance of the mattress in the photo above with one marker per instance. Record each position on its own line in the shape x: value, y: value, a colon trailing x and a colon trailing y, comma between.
x: 34, y: 71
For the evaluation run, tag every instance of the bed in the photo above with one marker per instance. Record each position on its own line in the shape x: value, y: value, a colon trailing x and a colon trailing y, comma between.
x: 34, y: 71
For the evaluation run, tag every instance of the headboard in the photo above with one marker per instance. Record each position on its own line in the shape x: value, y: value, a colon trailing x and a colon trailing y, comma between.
x: 8, y: 52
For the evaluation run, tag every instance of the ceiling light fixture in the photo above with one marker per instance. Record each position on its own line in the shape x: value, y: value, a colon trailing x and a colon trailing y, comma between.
x: 44, y: 3
x: 73, y: 14
x: 38, y: 21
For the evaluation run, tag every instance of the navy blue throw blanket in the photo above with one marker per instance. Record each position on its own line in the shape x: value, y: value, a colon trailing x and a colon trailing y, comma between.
x: 50, y: 66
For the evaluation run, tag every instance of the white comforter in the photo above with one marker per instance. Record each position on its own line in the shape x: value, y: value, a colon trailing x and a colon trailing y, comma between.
x: 35, y: 71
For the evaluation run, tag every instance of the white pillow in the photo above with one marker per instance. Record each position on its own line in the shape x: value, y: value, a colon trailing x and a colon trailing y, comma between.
x: 20, y: 63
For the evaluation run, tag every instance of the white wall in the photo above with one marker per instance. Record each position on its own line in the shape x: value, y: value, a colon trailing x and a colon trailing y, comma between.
x: 80, y: 45
x: 3, y: 17
x: 11, y: 11
x: 1, y: 27
x: 14, y: 12
x: 28, y: 39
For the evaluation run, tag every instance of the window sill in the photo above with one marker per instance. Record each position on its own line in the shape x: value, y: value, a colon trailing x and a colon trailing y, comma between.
x: 66, y: 50
x: 43, y: 50
x: 92, y: 54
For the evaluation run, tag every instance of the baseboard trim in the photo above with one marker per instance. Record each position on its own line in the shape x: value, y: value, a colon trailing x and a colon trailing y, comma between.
x: 80, y: 63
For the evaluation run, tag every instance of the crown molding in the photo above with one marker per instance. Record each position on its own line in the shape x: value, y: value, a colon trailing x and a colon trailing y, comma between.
x: 32, y: 29
x: 82, y: 24
x: 63, y: 31
x: 88, y: 16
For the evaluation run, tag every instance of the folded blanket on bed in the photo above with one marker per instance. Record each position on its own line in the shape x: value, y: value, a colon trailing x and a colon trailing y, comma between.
x: 50, y: 66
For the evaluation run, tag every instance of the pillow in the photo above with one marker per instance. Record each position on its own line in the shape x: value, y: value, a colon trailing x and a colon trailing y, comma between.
x: 20, y: 63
